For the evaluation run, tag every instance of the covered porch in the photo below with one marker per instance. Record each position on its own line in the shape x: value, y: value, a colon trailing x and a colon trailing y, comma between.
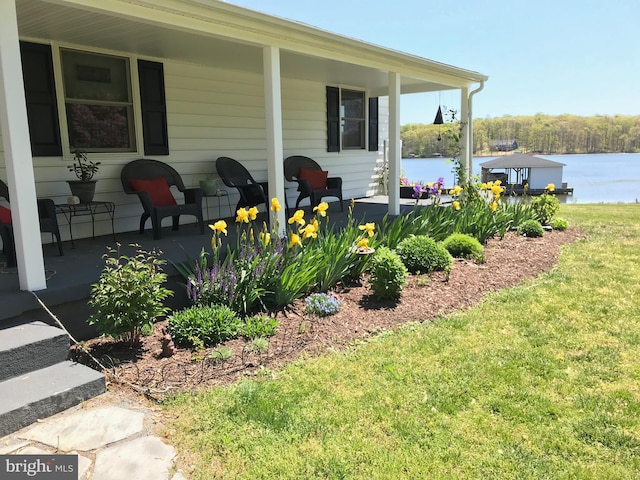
x: 236, y: 83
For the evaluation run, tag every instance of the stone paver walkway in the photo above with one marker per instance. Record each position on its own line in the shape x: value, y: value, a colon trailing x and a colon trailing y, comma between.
x: 113, y: 441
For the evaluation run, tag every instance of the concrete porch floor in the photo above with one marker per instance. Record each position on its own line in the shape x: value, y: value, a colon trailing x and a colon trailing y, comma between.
x: 69, y: 278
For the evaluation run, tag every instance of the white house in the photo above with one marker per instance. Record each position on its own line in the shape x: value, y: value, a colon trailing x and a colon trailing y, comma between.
x: 187, y: 81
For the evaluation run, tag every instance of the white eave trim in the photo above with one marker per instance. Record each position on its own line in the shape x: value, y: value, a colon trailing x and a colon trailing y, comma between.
x: 223, y: 20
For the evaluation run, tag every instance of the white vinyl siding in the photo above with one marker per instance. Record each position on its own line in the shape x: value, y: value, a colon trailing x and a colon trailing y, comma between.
x: 211, y: 113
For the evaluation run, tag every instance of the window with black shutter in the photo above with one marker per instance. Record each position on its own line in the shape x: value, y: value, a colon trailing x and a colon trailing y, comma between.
x: 40, y: 93
x: 347, y: 121
x: 373, y: 124
x: 154, y: 108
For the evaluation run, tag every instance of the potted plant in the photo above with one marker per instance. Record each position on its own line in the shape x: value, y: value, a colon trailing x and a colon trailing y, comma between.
x: 209, y: 186
x: 84, y: 187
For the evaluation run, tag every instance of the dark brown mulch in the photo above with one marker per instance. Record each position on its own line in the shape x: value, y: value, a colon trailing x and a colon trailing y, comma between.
x: 508, y: 262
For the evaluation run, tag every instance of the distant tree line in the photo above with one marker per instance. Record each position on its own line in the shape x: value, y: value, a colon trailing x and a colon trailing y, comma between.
x: 536, y: 134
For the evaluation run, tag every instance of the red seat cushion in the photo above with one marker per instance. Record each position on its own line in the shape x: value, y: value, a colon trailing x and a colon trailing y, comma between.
x: 5, y: 215
x: 317, y: 178
x: 158, y: 190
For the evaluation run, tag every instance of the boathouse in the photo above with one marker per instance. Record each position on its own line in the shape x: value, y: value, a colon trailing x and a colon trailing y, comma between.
x: 519, y: 169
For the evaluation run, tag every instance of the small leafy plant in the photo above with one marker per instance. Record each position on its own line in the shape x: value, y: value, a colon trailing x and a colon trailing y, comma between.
x: 531, y: 228
x: 257, y: 345
x: 204, y: 326
x: 128, y: 297
x: 461, y: 245
x: 545, y: 206
x: 259, y: 326
x: 559, y: 224
x: 84, y: 168
x: 388, y: 274
x: 423, y: 254
x: 322, y: 304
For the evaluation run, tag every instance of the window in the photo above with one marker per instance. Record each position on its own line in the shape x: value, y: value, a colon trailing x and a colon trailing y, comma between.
x: 98, y: 101
x: 352, y: 121
x: 347, y: 121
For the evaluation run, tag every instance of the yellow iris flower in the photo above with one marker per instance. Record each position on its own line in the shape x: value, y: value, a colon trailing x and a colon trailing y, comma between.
x: 253, y: 213
x: 551, y: 187
x: 219, y: 227
x: 321, y: 208
x: 369, y: 228
x: 275, y: 205
x: 456, y: 205
x: 242, y: 215
x: 363, y: 243
x: 265, y: 238
x: 497, y: 189
x: 295, y: 240
x: 298, y: 218
x: 494, y: 206
x: 457, y: 190
x: 311, y: 230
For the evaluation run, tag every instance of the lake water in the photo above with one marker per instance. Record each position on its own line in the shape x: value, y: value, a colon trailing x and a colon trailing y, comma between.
x: 595, y: 178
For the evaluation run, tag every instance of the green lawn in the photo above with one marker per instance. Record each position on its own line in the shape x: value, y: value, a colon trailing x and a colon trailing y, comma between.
x: 539, y: 381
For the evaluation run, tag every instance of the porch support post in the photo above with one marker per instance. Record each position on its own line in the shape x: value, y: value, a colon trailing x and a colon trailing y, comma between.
x: 466, y: 152
x: 273, y: 127
x: 17, y: 155
x: 395, y: 148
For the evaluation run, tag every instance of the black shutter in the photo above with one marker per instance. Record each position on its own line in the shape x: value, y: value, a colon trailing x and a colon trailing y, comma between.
x: 154, y: 108
x: 373, y: 124
x: 40, y: 93
x: 333, y: 119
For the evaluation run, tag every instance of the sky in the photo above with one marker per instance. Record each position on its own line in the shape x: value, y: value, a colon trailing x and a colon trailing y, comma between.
x: 579, y: 57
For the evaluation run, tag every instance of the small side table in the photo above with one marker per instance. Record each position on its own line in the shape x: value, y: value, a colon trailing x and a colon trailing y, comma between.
x: 81, y: 209
x: 220, y: 194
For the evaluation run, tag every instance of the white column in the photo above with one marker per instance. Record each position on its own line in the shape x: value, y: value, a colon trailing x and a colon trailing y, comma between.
x: 17, y: 155
x: 395, y: 149
x: 273, y: 117
x: 466, y: 154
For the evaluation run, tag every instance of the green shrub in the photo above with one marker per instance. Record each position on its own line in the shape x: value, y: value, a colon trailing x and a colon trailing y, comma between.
x: 388, y: 274
x: 545, y: 207
x: 530, y: 228
x: 559, y: 224
x: 461, y: 245
x: 259, y: 326
x: 322, y: 304
x: 203, y: 326
x: 128, y: 297
x: 424, y: 254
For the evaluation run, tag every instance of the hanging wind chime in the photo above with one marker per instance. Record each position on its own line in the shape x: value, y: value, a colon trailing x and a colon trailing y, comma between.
x: 439, y: 121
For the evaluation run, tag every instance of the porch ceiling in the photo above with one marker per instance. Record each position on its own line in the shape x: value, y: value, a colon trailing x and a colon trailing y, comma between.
x: 220, y: 35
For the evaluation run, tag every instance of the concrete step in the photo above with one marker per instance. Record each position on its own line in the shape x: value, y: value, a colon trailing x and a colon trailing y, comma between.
x: 31, y: 346
x: 44, y: 392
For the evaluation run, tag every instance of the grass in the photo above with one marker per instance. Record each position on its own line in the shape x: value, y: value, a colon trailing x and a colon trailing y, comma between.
x: 538, y: 381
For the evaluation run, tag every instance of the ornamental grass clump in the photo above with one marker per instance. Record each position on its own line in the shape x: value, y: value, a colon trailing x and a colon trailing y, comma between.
x: 128, y: 297
x: 461, y: 245
x: 388, y: 274
x: 322, y: 304
x: 423, y: 254
x: 531, y: 228
x: 204, y: 326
